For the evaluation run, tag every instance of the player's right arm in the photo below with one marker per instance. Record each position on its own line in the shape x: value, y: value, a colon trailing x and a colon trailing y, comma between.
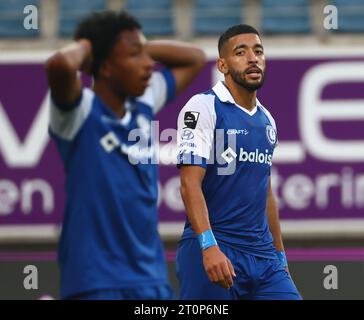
x: 62, y: 68
x: 196, y: 124
x: 218, y: 267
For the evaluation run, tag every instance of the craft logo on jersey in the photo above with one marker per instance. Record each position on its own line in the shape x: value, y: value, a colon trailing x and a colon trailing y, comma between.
x: 190, y: 119
x: 238, y: 131
x: 271, y: 135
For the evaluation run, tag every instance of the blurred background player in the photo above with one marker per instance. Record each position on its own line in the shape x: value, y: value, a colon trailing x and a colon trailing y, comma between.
x: 236, y: 205
x: 110, y: 247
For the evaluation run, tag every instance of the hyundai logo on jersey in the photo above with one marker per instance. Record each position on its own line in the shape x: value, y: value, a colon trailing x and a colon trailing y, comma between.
x: 187, y: 135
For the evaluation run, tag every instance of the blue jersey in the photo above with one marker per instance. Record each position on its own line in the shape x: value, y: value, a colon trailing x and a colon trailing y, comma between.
x: 109, y: 233
x: 236, y: 148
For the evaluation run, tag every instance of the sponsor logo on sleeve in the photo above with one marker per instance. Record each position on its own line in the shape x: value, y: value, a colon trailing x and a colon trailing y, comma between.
x: 187, y: 135
x: 190, y: 119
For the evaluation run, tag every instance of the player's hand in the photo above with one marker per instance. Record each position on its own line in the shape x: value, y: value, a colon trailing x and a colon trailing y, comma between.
x: 218, y: 267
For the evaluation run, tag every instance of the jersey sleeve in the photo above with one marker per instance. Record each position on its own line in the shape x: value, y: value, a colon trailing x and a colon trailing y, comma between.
x: 273, y: 124
x: 162, y: 89
x: 66, y: 121
x: 195, y: 131
x: 271, y: 120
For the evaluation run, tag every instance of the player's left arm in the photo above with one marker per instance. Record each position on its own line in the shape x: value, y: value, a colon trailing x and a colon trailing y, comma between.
x: 184, y: 60
x: 274, y: 222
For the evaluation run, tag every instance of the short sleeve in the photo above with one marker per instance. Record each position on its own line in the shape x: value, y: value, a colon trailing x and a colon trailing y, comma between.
x: 195, y: 130
x: 271, y: 120
x: 66, y: 122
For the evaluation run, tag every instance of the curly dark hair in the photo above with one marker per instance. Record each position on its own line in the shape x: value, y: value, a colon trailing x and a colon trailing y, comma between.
x: 234, y: 31
x: 102, y: 29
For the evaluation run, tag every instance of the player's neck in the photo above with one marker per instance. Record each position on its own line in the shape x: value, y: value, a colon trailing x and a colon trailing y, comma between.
x: 243, y: 97
x: 110, y: 99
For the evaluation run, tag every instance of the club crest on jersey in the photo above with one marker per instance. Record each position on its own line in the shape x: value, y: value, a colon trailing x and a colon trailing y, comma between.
x: 190, y: 119
x: 271, y: 135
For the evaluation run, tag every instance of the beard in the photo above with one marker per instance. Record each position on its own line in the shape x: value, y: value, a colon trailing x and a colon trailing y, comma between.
x: 239, y: 78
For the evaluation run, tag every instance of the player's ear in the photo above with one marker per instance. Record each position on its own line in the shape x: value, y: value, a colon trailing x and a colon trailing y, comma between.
x: 221, y: 66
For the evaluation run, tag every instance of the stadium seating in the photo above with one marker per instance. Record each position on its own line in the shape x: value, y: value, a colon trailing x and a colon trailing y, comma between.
x: 286, y: 16
x: 207, y: 17
x: 155, y: 16
x: 351, y: 15
x: 72, y: 11
x: 12, y: 17
x: 212, y: 17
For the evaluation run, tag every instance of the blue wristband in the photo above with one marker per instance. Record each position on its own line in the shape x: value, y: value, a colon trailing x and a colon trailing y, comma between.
x: 282, y: 258
x: 206, y: 239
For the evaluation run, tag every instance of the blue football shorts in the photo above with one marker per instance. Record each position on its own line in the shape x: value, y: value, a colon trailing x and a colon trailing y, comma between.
x: 256, y: 278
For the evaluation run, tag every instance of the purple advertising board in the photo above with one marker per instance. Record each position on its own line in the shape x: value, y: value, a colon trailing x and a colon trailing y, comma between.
x: 318, y: 167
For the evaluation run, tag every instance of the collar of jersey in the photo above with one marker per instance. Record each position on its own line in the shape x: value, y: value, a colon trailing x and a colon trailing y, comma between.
x: 125, y: 120
x: 224, y: 95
